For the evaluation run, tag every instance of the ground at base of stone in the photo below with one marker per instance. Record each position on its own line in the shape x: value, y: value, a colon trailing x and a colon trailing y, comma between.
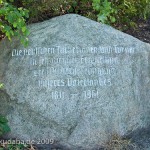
x: 142, y: 32
x: 140, y: 137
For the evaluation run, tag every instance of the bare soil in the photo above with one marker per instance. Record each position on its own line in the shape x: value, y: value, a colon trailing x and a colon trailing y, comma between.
x: 142, y: 32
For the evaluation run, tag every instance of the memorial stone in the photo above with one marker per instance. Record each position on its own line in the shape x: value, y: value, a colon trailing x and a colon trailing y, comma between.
x: 77, y: 83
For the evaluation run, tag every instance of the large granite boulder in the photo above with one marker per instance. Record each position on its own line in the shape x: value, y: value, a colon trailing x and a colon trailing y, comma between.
x: 78, y: 82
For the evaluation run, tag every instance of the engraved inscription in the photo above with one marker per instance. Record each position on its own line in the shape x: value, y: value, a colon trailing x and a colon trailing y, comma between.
x: 70, y: 82
x: 44, y: 61
x: 58, y: 95
x: 73, y: 71
x: 90, y: 94
x: 85, y: 68
x: 72, y: 50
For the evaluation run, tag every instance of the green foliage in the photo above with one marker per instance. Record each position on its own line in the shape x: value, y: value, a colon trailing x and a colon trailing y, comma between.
x: 12, y: 145
x: 1, y: 85
x: 122, y: 12
x: 129, y: 11
x: 119, y: 13
x: 105, y: 11
x: 16, y: 146
x: 13, y: 21
x: 45, y: 9
x: 4, y: 128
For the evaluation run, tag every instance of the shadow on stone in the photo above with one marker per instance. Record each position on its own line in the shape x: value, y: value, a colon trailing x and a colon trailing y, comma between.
x: 141, y: 138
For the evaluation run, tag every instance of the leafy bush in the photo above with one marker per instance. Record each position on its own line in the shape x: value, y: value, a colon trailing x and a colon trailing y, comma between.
x: 4, y: 128
x: 12, y: 21
x: 14, y: 146
x: 105, y: 11
x: 118, y: 13
x: 122, y: 12
x: 44, y: 9
x: 1, y: 85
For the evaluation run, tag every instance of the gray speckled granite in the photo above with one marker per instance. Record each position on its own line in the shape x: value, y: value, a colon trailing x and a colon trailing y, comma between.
x: 77, y: 82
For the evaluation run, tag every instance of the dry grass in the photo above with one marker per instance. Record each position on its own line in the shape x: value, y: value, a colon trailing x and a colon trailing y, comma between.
x: 116, y: 142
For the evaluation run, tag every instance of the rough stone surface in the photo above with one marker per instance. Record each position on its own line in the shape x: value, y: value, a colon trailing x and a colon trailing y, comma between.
x: 78, y: 82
